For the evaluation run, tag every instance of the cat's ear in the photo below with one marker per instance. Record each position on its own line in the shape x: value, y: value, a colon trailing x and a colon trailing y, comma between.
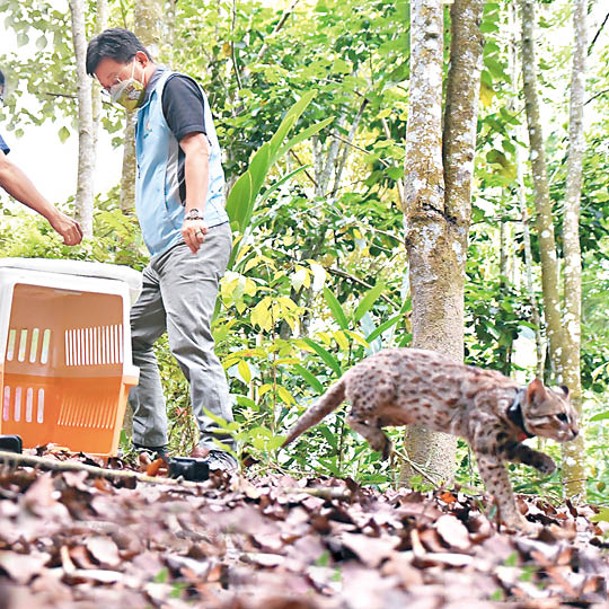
x: 536, y: 395
x: 536, y: 390
x: 565, y: 390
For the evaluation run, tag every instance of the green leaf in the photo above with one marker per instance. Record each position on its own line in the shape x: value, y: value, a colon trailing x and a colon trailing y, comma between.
x: 601, y: 416
x: 367, y: 302
x: 286, y: 178
x: 305, y: 134
x: 336, y: 308
x: 308, y: 376
x: 259, y: 167
x: 292, y: 115
x: 238, y: 202
x: 64, y: 134
x: 602, y: 516
x: 325, y: 355
x: 245, y: 372
x: 383, y: 328
x: 330, y: 437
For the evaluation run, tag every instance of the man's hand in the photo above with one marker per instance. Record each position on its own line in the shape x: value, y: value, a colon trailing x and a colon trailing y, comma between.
x: 68, y: 228
x: 194, y: 232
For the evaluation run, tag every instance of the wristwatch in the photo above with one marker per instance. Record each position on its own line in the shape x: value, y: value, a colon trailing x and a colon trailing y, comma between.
x: 193, y: 214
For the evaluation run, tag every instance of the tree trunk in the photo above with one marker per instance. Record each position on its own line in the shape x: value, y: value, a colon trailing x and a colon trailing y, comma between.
x: 522, y: 202
x: 573, y: 452
x: 543, y: 204
x: 127, y: 196
x: 86, y: 132
x: 96, y: 99
x: 439, y: 168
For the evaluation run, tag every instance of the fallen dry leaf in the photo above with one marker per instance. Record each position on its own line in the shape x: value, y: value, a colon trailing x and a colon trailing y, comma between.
x: 275, y: 542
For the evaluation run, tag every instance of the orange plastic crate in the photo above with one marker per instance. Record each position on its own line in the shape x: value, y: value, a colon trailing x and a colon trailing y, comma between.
x: 66, y: 370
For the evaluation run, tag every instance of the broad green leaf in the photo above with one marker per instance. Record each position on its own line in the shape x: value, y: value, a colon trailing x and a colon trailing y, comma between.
x: 336, y: 308
x: 286, y: 178
x: 243, y: 400
x: 358, y: 338
x: 383, y: 328
x: 259, y: 167
x: 367, y: 302
x: 238, y: 201
x: 325, y: 355
x: 285, y: 396
x: 341, y: 340
x: 305, y: 134
x: 601, y: 416
x: 265, y: 388
x: 308, y: 376
x: 261, y: 314
x: 245, y: 372
x: 331, y: 438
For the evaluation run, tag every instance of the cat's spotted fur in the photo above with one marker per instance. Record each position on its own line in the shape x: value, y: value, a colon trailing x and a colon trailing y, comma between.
x: 488, y: 409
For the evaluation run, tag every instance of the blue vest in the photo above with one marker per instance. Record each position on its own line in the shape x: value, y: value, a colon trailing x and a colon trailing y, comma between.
x: 157, y: 202
x: 4, y: 146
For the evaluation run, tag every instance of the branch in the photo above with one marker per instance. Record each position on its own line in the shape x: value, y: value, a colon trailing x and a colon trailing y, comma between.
x: 343, y: 158
x: 596, y: 95
x: 232, y: 45
x: 14, y: 459
x: 302, y: 165
x: 278, y: 27
x: 354, y: 279
x: 598, y: 33
x: 322, y: 493
x: 417, y: 468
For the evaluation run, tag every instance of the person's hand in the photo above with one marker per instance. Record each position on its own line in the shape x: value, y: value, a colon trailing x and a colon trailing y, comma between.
x: 68, y: 228
x: 194, y: 232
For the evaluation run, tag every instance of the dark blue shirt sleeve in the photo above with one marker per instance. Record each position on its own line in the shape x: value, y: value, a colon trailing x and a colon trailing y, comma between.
x: 183, y: 106
x: 3, y: 146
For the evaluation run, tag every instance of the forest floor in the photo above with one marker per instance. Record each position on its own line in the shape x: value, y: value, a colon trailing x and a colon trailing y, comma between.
x: 78, y: 539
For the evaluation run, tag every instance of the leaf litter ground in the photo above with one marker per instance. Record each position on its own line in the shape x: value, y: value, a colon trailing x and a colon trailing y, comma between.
x: 75, y: 539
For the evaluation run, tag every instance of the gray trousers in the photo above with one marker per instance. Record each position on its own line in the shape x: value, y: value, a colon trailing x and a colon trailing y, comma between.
x: 178, y: 296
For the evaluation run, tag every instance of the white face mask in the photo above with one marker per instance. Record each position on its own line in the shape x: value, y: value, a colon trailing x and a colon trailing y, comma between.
x: 128, y: 93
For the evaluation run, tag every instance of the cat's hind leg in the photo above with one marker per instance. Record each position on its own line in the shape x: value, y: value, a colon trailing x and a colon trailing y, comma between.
x: 370, y: 429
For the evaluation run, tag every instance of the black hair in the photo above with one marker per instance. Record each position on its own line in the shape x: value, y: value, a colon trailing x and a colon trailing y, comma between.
x: 1, y: 78
x: 115, y: 43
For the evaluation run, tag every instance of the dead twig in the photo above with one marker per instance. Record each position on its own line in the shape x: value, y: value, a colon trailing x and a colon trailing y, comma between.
x: 16, y: 460
x: 405, y: 459
x: 322, y: 493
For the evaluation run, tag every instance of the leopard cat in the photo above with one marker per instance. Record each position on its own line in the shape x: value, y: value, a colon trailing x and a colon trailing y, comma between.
x: 491, y: 411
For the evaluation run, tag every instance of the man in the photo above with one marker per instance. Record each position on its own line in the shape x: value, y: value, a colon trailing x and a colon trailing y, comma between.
x: 19, y: 186
x: 180, y: 207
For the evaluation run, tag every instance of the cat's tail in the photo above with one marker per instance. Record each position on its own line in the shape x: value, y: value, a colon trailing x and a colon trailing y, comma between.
x: 328, y: 402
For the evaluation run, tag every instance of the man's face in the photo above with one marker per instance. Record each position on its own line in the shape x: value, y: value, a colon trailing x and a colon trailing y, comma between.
x: 110, y: 72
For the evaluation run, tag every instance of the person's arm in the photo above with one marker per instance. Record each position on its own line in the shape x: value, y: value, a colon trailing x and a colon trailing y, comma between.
x: 21, y: 188
x: 196, y: 176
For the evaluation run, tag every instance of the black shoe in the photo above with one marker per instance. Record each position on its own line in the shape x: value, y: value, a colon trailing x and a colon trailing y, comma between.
x: 152, y: 452
x: 221, y: 460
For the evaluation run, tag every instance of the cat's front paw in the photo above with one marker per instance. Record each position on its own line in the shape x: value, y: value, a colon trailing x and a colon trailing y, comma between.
x: 545, y: 464
x: 517, y: 523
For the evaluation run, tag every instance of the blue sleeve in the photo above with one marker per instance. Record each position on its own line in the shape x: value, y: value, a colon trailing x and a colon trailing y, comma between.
x: 3, y: 146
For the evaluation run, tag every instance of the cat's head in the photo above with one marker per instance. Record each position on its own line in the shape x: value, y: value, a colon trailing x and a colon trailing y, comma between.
x: 548, y: 413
